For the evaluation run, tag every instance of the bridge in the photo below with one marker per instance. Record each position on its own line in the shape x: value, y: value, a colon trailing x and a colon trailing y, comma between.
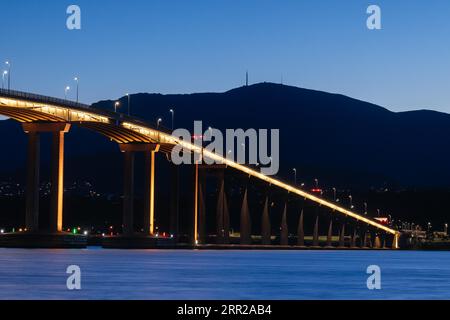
x: 41, y: 114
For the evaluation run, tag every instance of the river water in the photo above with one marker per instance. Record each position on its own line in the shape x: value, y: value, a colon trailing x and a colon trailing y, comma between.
x: 176, y: 274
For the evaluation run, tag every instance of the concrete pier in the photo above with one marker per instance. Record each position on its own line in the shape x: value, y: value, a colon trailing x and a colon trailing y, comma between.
x: 37, y: 236
x: 265, y: 225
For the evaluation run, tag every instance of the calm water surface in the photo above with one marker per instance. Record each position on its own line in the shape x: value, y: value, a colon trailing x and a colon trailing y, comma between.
x: 156, y: 274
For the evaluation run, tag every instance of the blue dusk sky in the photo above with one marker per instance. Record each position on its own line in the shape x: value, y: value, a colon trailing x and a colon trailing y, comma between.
x: 185, y: 46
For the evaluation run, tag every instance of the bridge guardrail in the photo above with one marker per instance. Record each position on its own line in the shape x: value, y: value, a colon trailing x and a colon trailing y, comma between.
x: 43, y: 99
x: 80, y: 106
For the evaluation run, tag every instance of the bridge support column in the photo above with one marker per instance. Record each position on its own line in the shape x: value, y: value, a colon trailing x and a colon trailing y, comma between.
x: 245, y: 226
x: 316, y: 233
x: 196, y: 192
x: 202, y: 206
x: 353, y: 240
x: 202, y: 172
x: 32, y: 189
x: 300, y: 232
x: 383, y: 240
x: 128, y: 194
x: 284, y: 236
x: 330, y: 234
x: 149, y: 188
x: 373, y: 237
x: 57, y: 174
x: 395, y: 241
x: 363, y: 238
x: 222, y: 226
x: 174, y: 202
x: 129, y: 151
x: 377, y: 242
x: 342, y: 236
x: 57, y: 180
x: 226, y: 220
x: 265, y: 224
x: 222, y: 214
x: 220, y: 229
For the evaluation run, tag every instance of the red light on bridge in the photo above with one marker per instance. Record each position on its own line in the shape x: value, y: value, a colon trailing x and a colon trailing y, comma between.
x: 382, y: 220
x: 316, y: 190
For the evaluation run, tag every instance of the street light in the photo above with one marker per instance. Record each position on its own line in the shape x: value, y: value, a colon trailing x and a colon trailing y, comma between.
x: 365, y: 208
x: 158, y: 122
x: 116, y: 105
x: 334, y: 194
x: 316, y: 181
x: 77, y: 81
x: 129, y: 103
x: 350, y: 197
x: 4, y: 74
x: 295, y: 175
x: 9, y: 74
x: 66, y: 89
x: 172, y: 111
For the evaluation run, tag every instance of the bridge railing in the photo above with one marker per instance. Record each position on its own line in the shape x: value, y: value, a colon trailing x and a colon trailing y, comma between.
x: 115, y: 116
x: 42, y: 99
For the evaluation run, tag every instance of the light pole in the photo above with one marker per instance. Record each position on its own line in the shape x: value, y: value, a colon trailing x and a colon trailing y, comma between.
x: 116, y: 105
x: 365, y: 208
x: 66, y: 89
x: 158, y: 123
x: 350, y: 197
x: 77, y: 81
x: 9, y: 74
x: 295, y: 176
x: 5, y: 73
x: 129, y: 104
x: 334, y: 194
x: 172, y: 111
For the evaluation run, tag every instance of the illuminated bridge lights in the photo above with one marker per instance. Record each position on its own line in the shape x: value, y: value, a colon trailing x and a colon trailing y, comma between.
x: 219, y: 159
x: 73, y: 114
x: 63, y: 113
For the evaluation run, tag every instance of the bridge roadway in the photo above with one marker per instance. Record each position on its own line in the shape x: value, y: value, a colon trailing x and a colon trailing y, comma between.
x: 39, y: 113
